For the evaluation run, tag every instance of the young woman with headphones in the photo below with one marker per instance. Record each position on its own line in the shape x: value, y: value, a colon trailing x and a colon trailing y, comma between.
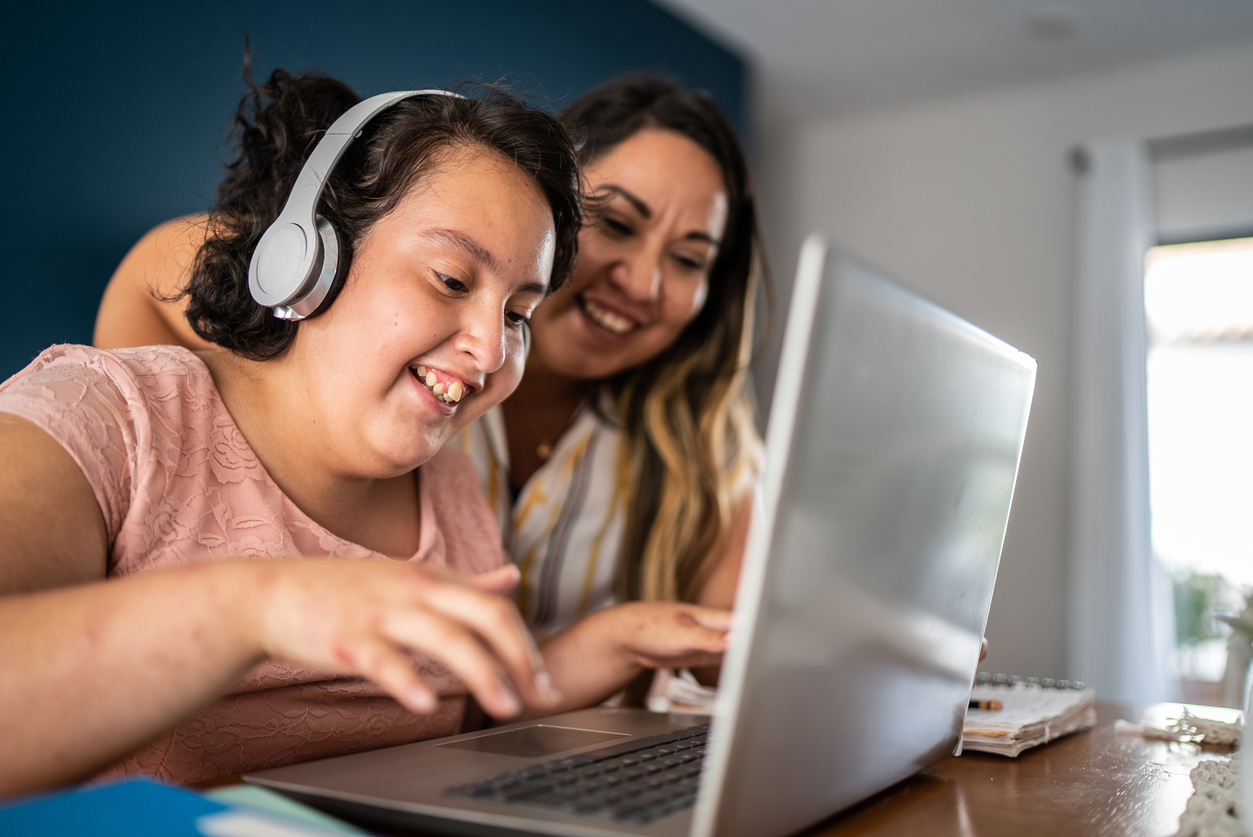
x: 622, y: 467
x: 194, y: 546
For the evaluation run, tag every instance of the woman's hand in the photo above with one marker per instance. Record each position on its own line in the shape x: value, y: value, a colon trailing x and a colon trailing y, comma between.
x: 361, y: 617
x: 668, y: 634
x: 604, y: 651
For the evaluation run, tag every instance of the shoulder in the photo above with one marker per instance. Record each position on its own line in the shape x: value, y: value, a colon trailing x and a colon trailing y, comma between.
x: 164, y: 254
x: 132, y: 398
x: 142, y: 303
x: 140, y: 360
x: 115, y: 412
x: 126, y: 372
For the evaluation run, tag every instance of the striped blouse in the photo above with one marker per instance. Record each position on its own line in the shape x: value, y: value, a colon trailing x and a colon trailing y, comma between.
x: 565, y: 529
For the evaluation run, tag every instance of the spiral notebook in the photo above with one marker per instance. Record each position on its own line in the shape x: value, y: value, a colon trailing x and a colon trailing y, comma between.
x: 1033, y: 712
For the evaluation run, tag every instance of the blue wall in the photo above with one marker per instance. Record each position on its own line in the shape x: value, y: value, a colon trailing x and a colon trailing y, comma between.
x: 116, y: 114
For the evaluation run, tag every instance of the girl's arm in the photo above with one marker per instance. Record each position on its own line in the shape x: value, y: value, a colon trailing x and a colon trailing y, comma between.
x: 94, y: 669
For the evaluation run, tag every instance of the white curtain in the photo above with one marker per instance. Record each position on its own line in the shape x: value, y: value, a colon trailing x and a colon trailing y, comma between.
x: 1120, y: 617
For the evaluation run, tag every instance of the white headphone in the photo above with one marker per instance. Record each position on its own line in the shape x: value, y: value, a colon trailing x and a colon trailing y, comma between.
x: 294, y: 265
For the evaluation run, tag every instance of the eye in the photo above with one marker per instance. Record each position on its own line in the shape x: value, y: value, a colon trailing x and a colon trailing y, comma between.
x: 517, y: 318
x: 690, y: 262
x: 455, y: 285
x: 616, y: 227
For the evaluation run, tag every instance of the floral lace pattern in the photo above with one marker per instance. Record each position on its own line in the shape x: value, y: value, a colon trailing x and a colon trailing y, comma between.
x: 177, y: 484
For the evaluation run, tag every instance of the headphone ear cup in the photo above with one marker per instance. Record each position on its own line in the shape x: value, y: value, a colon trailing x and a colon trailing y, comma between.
x: 319, y: 296
x: 332, y: 258
x: 284, y: 261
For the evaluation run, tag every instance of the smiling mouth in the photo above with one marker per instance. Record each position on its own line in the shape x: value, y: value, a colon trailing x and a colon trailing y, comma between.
x: 449, y: 393
x: 605, y: 318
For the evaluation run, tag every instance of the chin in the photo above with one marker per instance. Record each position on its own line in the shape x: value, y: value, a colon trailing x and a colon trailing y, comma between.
x: 594, y: 367
x: 405, y: 454
x: 584, y: 362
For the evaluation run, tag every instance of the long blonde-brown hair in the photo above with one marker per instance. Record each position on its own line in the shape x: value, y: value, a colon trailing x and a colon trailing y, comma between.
x: 686, y: 415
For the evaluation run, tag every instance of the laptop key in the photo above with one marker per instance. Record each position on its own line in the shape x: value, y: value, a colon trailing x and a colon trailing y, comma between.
x: 635, y: 782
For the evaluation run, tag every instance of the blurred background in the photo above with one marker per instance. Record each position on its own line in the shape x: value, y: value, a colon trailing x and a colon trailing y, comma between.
x: 1024, y: 163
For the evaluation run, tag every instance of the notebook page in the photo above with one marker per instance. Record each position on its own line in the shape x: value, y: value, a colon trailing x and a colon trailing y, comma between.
x: 1025, y: 708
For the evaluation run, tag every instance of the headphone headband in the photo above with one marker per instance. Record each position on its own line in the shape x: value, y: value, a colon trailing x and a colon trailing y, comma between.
x: 294, y: 264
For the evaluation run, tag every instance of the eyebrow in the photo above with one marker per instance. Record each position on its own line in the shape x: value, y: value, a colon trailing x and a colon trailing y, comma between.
x: 476, y: 251
x: 644, y: 209
x: 635, y: 201
x: 465, y: 244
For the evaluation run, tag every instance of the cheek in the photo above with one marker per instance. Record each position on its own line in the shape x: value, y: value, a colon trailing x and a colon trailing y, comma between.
x: 698, y: 299
x: 558, y: 302
x: 683, y: 306
x: 505, y: 380
x: 594, y: 253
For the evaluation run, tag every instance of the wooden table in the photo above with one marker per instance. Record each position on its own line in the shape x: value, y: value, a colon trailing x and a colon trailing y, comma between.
x: 1099, y: 782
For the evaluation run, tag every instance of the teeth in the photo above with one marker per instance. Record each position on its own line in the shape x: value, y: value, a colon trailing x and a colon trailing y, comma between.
x: 606, y: 319
x: 448, y: 393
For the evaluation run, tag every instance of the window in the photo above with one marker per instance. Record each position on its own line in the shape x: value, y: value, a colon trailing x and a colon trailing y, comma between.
x: 1199, y: 313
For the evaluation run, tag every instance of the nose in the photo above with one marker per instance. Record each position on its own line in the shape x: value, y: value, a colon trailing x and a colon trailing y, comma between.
x: 638, y: 276
x: 483, y: 336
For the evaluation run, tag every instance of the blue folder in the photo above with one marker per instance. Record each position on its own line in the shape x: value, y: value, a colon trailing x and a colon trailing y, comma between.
x: 144, y: 808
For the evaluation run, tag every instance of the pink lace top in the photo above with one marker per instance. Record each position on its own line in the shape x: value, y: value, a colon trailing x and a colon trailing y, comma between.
x: 177, y: 484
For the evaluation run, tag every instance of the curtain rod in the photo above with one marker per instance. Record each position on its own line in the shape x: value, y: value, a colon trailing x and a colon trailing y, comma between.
x: 1202, y: 142
x: 1209, y: 141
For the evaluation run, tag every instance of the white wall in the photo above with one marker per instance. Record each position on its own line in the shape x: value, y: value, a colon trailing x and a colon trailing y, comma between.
x: 970, y: 200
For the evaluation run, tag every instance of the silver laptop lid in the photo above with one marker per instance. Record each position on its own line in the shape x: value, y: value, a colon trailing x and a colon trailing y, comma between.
x: 894, y: 442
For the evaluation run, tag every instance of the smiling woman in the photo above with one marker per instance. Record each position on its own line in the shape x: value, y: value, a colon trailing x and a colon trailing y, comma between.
x: 630, y: 444
x: 174, y: 525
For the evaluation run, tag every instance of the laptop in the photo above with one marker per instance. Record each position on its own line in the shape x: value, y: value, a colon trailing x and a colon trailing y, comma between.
x: 894, y: 441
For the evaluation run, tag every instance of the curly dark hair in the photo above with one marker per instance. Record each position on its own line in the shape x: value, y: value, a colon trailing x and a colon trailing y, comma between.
x: 276, y: 127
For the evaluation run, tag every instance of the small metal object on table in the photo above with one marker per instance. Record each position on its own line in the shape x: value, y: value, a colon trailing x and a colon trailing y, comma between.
x: 1097, y: 782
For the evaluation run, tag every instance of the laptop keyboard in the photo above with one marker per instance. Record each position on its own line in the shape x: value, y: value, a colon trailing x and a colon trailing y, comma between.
x: 632, y: 783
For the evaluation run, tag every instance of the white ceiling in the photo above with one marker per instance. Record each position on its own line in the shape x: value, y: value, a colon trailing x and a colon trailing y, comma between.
x: 825, y: 57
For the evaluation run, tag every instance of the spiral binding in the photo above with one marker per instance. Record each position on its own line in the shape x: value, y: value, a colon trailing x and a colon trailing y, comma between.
x: 985, y: 678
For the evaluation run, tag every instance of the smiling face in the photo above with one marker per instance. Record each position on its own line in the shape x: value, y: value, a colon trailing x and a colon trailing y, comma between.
x: 643, y: 267
x: 440, y: 287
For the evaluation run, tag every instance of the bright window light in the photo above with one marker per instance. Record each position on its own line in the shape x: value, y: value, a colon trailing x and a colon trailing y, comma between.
x: 1199, y: 312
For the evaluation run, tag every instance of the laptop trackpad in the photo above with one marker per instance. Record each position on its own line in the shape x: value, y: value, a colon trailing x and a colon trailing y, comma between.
x: 533, y: 741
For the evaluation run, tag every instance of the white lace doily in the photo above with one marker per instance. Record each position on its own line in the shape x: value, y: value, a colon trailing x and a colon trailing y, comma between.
x: 1213, y: 808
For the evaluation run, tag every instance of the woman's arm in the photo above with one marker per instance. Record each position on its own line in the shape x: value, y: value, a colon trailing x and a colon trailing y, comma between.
x: 604, y: 651
x: 133, y: 311
x: 94, y: 670
x: 718, y: 589
x: 723, y: 580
